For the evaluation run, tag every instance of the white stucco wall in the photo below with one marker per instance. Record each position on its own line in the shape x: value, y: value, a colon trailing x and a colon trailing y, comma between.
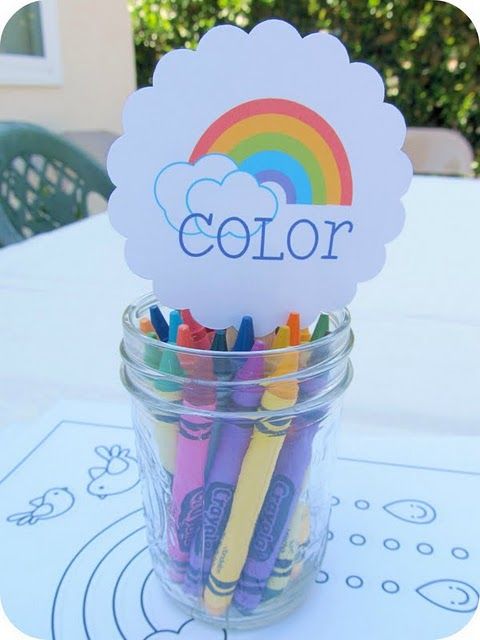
x: 97, y: 58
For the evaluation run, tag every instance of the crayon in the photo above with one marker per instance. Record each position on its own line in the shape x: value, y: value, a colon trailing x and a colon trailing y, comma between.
x: 254, y: 479
x: 277, y: 511
x: 321, y: 328
x: 219, y: 342
x: 221, y: 366
x: 184, y: 339
x: 284, y: 563
x: 191, y: 457
x: 294, y: 323
x: 152, y: 355
x: 201, y: 336
x: 245, y: 336
x: 166, y: 426
x: 231, y: 335
x: 146, y: 326
x: 175, y: 321
x: 159, y: 323
x: 282, y: 569
x: 233, y: 439
x: 303, y: 543
x: 305, y: 335
x: 281, y: 338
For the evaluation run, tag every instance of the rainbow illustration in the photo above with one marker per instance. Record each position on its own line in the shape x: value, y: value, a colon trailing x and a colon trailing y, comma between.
x: 282, y: 141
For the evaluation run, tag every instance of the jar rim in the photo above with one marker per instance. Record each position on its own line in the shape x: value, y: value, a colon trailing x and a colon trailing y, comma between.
x: 342, y: 317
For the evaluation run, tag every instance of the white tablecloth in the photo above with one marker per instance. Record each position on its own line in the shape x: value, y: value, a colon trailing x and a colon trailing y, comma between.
x: 417, y: 324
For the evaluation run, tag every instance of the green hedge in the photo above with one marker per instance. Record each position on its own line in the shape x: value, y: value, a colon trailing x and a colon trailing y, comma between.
x: 428, y: 52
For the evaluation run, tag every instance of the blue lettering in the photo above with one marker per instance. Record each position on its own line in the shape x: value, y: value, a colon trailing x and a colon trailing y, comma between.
x: 262, y: 256
x: 335, y: 227
x: 315, y: 238
x: 220, y: 240
x: 181, y: 231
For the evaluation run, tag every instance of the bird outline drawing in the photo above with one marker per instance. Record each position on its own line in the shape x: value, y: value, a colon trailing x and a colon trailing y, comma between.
x: 52, y: 504
x: 118, y: 474
x: 413, y: 511
x: 452, y: 595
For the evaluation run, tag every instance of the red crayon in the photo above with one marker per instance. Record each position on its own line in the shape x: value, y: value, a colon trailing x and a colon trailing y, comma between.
x: 202, y: 337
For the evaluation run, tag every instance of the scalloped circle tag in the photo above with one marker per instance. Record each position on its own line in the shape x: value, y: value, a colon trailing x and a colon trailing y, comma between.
x: 260, y: 174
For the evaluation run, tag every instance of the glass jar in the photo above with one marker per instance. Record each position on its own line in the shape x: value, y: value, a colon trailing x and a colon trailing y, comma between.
x: 235, y: 452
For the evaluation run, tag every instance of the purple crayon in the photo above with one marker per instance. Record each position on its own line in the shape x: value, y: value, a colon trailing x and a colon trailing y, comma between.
x: 277, y: 510
x: 232, y: 445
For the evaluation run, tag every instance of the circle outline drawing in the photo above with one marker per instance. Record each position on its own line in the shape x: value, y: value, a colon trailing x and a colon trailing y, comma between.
x: 358, y: 585
x: 391, y: 548
x: 324, y: 575
x: 361, y: 542
x: 365, y: 504
x: 428, y: 551
x: 396, y: 586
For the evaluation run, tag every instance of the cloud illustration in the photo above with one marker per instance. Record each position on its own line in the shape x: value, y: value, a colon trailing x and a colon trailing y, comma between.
x: 190, y: 629
x: 338, y: 193
x: 174, y: 181
x: 221, y: 200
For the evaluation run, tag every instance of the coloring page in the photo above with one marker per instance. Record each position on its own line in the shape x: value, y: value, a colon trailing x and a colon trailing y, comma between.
x: 402, y: 560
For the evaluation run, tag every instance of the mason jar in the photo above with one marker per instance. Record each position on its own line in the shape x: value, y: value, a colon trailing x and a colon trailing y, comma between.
x: 235, y: 451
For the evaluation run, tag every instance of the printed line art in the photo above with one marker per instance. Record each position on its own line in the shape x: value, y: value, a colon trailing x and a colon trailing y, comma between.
x: 453, y: 595
x: 52, y: 504
x: 354, y: 582
x: 390, y: 586
x: 111, y: 570
x: 322, y: 577
x: 414, y: 511
x: 118, y: 473
x: 357, y: 539
x: 363, y: 505
x: 391, y: 544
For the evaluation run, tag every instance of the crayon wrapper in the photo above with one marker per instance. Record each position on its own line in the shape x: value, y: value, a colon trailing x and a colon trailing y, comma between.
x: 274, y: 519
x: 188, y: 484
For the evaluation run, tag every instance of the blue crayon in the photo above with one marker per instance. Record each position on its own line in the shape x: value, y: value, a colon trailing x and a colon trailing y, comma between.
x: 159, y: 323
x: 175, y: 322
x: 245, y: 336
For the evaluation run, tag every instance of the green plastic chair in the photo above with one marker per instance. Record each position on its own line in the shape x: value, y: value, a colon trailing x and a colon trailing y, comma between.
x: 45, y: 181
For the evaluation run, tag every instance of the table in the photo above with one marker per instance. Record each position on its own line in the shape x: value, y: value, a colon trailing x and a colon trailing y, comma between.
x: 417, y: 325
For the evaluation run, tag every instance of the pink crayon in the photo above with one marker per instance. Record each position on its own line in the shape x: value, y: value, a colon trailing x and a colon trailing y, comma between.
x: 188, y: 484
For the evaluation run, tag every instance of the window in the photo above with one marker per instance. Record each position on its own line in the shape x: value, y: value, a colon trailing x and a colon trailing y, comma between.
x: 29, y: 46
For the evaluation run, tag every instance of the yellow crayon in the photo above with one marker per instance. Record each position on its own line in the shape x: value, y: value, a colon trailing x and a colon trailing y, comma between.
x: 253, y: 482
x: 303, y: 542
x: 284, y: 563
x: 305, y: 335
x: 165, y: 432
x: 280, y: 340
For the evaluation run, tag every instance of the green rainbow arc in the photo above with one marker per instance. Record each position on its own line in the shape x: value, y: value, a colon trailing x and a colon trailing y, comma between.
x: 292, y: 147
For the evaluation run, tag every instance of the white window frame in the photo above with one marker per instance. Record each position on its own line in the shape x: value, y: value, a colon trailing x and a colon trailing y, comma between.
x: 43, y: 70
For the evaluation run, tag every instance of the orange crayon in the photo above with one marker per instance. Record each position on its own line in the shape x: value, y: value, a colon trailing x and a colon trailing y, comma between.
x: 146, y: 326
x: 294, y: 323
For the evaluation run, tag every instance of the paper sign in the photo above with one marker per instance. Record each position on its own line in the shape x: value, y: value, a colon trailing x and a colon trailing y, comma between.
x: 261, y: 173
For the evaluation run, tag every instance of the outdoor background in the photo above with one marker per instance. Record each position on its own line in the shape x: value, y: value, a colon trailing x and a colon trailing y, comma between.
x: 427, y: 52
